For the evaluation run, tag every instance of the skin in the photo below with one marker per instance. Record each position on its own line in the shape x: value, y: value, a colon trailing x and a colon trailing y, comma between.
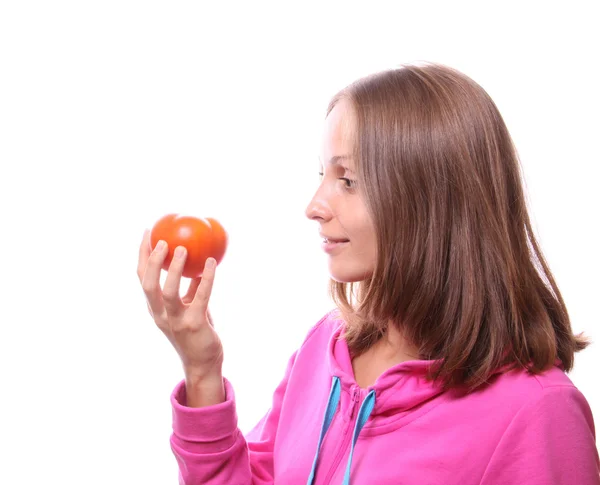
x: 337, y: 204
x: 186, y: 322
x: 341, y: 212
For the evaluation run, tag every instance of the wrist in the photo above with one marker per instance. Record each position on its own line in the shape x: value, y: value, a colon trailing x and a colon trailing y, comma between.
x: 201, y: 376
x: 205, y: 390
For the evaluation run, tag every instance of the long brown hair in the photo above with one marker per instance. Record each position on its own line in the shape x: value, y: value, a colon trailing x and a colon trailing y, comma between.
x: 459, y: 270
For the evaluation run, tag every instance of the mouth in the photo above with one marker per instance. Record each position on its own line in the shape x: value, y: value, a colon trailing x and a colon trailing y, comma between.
x: 334, y: 241
x: 333, y: 245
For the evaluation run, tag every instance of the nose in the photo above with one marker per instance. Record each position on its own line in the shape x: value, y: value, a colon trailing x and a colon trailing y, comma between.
x: 318, y: 208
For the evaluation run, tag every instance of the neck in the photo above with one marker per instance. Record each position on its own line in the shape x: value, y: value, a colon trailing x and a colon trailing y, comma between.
x: 393, y: 346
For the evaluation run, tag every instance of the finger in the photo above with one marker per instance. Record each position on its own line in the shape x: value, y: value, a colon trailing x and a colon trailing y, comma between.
x: 171, y: 298
x: 151, y: 278
x: 199, y: 305
x: 189, y: 296
x: 210, y: 320
x: 144, y: 254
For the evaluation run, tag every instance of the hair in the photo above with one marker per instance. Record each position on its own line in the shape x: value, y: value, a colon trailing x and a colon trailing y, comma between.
x: 459, y: 271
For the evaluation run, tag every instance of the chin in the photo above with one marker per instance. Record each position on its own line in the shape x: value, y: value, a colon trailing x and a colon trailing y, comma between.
x: 348, y: 274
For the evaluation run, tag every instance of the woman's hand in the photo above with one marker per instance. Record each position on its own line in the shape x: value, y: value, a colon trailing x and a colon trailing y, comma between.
x: 186, y: 321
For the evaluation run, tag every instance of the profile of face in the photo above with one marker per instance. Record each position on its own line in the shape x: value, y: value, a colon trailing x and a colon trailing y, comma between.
x: 338, y: 205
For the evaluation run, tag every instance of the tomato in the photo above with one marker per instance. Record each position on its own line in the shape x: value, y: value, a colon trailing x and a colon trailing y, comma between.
x: 203, y: 238
x: 220, y: 239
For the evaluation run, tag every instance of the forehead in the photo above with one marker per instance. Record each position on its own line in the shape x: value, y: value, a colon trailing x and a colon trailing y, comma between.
x: 338, y: 135
x: 339, y: 124
x: 343, y: 160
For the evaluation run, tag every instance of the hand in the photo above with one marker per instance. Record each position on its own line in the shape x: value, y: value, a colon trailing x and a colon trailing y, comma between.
x: 186, y: 321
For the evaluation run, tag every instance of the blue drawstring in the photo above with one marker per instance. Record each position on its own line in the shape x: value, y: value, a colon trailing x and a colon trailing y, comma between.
x: 332, y: 404
x: 363, y: 415
x: 365, y: 411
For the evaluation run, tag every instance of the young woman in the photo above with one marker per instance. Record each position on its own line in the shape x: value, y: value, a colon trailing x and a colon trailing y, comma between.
x: 445, y: 359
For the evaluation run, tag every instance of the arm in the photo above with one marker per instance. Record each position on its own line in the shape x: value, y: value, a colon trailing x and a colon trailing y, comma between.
x: 550, y: 441
x: 204, y: 392
x: 211, y: 450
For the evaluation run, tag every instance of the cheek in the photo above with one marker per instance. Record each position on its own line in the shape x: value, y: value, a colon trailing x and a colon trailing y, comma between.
x: 365, y: 240
x: 366, y: 250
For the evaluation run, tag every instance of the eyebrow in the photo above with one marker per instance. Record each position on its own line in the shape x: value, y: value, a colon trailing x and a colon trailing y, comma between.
x: 337, y: 158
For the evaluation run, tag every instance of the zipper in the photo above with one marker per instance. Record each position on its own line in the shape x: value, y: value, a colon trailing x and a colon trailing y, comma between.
x: 347, y: 438
x: 355, y: 400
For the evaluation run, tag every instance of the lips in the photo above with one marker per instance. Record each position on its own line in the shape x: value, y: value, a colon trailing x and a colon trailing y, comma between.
x: 333, y: 246
x: 333, y: 239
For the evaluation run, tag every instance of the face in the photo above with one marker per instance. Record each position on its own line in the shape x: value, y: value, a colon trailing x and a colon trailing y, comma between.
x: 338, y: 205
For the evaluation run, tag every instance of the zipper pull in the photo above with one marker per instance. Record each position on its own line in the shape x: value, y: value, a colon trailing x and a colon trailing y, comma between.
x: 355, y: 400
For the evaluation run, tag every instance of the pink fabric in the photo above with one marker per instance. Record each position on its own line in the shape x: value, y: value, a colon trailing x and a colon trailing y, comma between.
x: 521, y: 429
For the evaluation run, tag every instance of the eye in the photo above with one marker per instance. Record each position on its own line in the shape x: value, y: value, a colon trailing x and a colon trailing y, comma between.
x: 350, y: 184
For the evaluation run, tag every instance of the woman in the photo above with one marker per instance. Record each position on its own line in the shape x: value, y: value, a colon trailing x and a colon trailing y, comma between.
x: 444, y: 361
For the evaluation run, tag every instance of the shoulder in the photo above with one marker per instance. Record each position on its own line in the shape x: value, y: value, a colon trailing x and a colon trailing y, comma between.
x: 545, y: 431
x: 519, y: 387
x: 319, y: 338
x: 519, y: 395
x: 324, y: 329
x: 522, y: 386
x: 525, y: 379
x: 546, y: 396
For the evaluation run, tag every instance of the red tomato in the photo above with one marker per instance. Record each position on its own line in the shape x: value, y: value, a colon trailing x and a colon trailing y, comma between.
x: 203, y: 238
x: 220, y: 239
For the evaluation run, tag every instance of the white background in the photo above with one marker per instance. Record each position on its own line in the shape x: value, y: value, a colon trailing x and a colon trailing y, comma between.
x: 115, y: 113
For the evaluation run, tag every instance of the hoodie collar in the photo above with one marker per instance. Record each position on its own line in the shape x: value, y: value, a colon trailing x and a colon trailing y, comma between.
x: 398, y: 389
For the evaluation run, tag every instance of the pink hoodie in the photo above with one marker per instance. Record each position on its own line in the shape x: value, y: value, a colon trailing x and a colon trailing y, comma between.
x: 521, y: 429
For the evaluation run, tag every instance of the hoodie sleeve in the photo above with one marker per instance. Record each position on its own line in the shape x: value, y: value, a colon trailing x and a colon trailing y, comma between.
x: 210, y: 448
x: 549, y: 441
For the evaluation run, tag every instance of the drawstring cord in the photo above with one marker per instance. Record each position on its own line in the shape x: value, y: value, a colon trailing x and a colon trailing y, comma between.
x: 366, y: 409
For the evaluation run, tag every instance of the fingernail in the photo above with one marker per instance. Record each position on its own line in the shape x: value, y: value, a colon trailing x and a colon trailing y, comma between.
x: 211, y: 263
x: 160, y: 245
x: 180, y: 252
